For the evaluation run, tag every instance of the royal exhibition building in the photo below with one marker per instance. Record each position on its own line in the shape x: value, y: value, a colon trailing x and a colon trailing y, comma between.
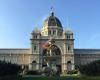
x: 51, y: 46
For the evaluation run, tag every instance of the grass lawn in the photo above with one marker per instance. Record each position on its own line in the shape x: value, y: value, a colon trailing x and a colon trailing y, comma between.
x: 63, y: 78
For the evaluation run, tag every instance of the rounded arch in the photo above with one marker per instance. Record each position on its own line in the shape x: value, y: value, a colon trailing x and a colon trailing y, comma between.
x: 55, y: 50
x: 68, y: 62
x: 34, y: 65
x: 52, y: 60
x: 34, y: 61
x: 69, y: 65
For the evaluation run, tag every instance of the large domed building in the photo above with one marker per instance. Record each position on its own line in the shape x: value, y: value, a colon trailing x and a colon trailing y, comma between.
x: 63, y: 43
x: 52, y: 46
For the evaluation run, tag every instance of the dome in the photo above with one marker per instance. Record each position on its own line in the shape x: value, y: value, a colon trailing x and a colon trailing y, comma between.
x: 36, y: 30
x: 52, y: 21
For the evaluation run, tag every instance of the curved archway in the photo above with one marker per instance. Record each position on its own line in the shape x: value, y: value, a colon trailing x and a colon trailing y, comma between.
x: 69, y: 66
x: 34, y: 65
x: 54, y: 49
x: 52, y: 60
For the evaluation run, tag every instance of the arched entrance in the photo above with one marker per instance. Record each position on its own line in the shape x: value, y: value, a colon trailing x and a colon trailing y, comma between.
x: 51, y: 56
x: 69, y: 66
x: 33, y: 65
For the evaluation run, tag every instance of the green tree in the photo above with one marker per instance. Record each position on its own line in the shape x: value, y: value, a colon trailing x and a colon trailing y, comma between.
x: 92, y: 68
x: 7, y: 68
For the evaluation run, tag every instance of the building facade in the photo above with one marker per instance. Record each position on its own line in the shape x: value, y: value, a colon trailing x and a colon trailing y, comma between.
x: 62, y: 53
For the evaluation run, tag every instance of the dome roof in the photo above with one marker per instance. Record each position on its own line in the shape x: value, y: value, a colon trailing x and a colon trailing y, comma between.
x: 36, y: 30
x: 52, y: 21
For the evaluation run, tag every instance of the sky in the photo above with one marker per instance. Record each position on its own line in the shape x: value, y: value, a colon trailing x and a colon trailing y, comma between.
x: 18, y: 18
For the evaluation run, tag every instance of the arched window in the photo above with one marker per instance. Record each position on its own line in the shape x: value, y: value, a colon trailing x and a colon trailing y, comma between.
x: 68, y: 36
x: 54, y: 32
x: 69, y: 48
x: 35, y: 48
x: 35, y: 36
x: 34, y: 65
x: 69, y: 66
x: 49, y: 32
x: 33, y: 61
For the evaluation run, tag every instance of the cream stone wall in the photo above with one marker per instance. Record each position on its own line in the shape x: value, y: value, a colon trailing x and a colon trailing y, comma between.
x: 18, y: 56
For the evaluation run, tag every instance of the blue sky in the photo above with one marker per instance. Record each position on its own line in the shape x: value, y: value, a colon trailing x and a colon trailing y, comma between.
x: 19, y: 17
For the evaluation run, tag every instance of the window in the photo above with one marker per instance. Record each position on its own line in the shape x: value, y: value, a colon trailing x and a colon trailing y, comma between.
x: 35, y: 48
x: 49, y: 32
x: 35, y: 36
x: 69, y: 48
x: 54, y: 32
x: 60, y: 33
x: 68, y: 36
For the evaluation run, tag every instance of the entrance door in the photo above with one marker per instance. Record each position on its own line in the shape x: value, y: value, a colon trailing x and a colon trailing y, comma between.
x: 69, y: 66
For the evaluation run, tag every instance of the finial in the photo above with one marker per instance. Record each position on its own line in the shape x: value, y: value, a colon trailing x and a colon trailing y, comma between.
x: 52, y: 13
x: 51, y: 8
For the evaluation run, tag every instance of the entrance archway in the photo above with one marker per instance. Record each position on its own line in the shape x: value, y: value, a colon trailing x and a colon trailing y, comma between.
x: 69, y: 66
x: 51, y: 57
x: 54, y: 49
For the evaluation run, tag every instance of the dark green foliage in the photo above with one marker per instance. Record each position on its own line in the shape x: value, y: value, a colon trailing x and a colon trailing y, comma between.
x: 11, y: 77
x: 7, y: 68
x: 33, y: 72
x: 92, y: 68
x: 72, y: 72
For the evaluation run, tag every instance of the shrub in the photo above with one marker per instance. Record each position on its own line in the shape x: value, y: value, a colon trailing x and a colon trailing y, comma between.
x: 31, y: 72
x: 7, y: 68
x: 72, y: 72
x: 92, y: 68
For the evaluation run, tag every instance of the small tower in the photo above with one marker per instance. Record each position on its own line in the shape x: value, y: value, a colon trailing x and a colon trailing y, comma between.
x: 69, y: 50
x: 35, y: 40
x: 68, y: 35
x: 35, y: 46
